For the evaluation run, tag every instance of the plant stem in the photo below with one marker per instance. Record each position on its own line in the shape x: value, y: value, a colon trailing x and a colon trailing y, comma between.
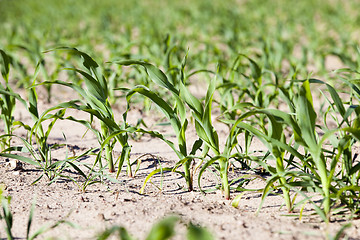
x: 188, y: 176
x: 286, y: 195
x: 321, y: 165
x: 224, y: 177
x: 286, y: 191
x: 108, y: 150
x: 109, y: 158
x: 126, y: 149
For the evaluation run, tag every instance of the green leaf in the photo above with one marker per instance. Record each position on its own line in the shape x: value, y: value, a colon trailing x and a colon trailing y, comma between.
x: 164, y: 106
x: 236, y: 201
x: 155, y: 74
x: 255, y: 69
x: 164, y: 229
x: 6, y: 69
x: 94, y: 87
x: 306, y: 116
x: 204, y: 167
x: 191, y: 101
x: 206, y: 118
x: 20, y: 158
x: 155, y: 172
x: 334, y: 95
x: 88, y: 62
x: 198, y: 233
x: 121, y: 232
x: 30, y: 219
x: 6, y: 214
x: 340, y: 234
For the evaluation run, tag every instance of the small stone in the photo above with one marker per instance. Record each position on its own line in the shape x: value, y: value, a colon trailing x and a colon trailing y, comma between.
x: 101, y: 216
x: 14, y: 165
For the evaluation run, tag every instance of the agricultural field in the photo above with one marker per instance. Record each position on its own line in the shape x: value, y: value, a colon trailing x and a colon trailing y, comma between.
x: 183, y: 119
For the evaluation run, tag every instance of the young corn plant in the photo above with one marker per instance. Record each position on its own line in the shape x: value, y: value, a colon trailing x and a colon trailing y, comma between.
x: 7, y: 102
x: 322, y: 163
x: 346, y: 177
x: 93, y: 175
x: 33, y: 50
x: 32, y: 108
x: 273, y: 137
x: 303, y: 125
x: 96, y: 103
x: 176, y: 115
x: 312, y: 169
x: 21, y: 77
x: 240, y: 85
x: 40, y: 153
x: 201, y: 113
x: 306, y: 120
x: 206, y: 132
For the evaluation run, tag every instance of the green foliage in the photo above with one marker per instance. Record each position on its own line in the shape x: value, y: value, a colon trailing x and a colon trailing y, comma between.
x: 249, y: 56
x: 176, y: 115
x: 96, y: 103
x: 7, y: 102
x: 6, y: 214
x: 162, y: 230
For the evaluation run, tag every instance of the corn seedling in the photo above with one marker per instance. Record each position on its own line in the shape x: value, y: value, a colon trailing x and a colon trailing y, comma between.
x: 323, y: 171
x: 7, y: 102
x: 41, y: 137
x: 200, y: 112
x: 273, y: 138
x: 96, y: 103
x: 41, y: 152
x: 176, y: 115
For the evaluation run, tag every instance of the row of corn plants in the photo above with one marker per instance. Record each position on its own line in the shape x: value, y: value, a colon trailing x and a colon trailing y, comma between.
x: 270, y: 38
x: 303, y: 156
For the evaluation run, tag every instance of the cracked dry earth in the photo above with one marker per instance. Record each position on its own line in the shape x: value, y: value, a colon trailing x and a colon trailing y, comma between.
x: 104, y: 205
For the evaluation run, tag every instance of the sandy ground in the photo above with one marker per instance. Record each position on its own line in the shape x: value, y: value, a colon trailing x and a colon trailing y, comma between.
x: 104, y: 205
